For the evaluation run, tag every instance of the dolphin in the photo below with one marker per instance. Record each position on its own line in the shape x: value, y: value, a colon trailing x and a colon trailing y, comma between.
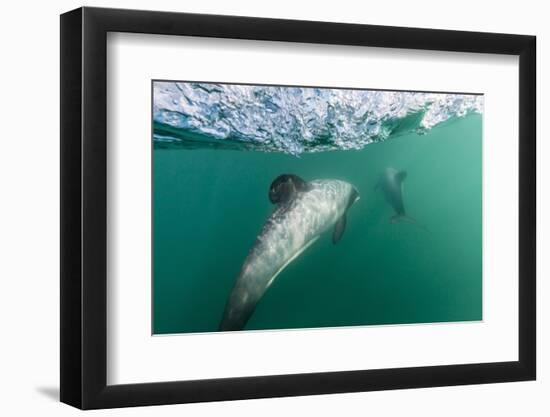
x: 391, y: 185
x: 303, y: 212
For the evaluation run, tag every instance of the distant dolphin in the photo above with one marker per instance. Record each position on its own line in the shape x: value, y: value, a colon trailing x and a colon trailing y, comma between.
x: 391, y: 185
x: 304, y: 211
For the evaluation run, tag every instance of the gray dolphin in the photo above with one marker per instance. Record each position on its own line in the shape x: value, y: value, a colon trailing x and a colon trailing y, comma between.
x: 304, y: 211
x: 391, y: 185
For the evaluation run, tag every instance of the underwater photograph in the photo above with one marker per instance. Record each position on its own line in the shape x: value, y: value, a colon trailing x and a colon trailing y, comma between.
x: 294, y: 207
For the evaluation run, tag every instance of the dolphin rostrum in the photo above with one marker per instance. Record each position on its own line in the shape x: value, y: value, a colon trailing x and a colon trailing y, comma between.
x: 304, y: 211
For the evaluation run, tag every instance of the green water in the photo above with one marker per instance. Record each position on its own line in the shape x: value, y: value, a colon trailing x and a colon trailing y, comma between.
x: 209, y: 205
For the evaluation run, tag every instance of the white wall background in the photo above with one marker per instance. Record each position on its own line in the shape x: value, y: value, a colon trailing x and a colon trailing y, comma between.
x: 29, y: 237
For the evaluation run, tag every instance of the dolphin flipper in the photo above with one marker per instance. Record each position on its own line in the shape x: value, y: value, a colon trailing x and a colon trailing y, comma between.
x: 339, y: 229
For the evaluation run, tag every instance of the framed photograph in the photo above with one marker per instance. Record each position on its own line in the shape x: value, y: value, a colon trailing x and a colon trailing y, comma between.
x: 258, y: 208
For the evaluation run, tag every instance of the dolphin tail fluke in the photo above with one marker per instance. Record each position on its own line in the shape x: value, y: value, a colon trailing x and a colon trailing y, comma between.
x: 407, y: 219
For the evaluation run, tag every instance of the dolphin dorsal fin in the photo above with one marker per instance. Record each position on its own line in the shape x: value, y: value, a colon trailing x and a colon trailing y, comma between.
x: 401, y: 175
x: 285, y: 187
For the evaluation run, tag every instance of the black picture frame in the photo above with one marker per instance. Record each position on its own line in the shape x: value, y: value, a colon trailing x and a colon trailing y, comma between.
x: 84, y: 207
